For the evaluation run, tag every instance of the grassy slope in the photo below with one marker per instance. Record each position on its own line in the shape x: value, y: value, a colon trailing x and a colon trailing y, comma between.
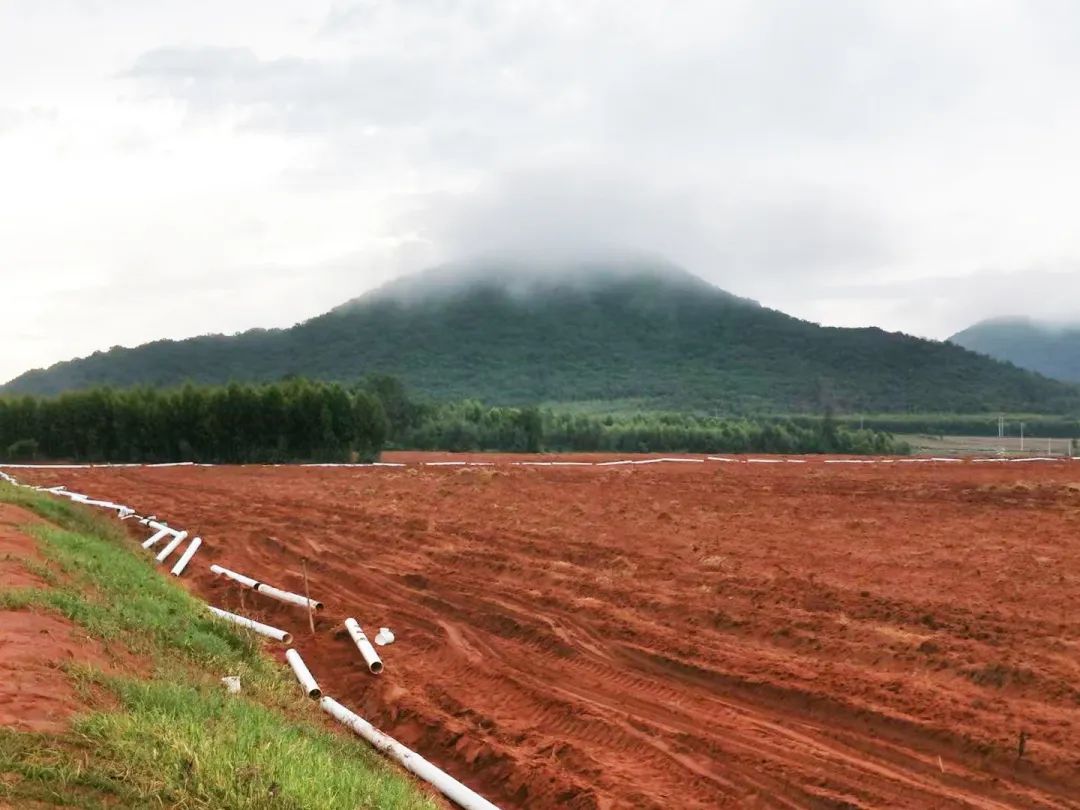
x: 668, y: 341
x: 175, y: 738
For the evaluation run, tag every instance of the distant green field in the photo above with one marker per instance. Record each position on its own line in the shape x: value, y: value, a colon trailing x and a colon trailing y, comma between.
x: 988, y: 445
x: 984, y: 424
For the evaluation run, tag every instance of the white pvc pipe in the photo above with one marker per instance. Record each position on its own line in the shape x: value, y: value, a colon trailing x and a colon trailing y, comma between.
x: 153, y: 541
x: 371, y: 658
x: 251, y: 624
x: 171, y: 546
x: 303, y: 674
x: 235, y: 577
x: 268, y: 590
x: 285, y: 596
x: 450, y: 787
x: 185, y: 558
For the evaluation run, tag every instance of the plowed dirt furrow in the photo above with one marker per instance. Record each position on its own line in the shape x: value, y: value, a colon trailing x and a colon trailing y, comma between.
x: 763, y: 635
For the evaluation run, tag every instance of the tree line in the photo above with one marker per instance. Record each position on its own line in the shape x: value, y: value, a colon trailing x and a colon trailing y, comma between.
x: 302, y: 420
x: 471, y: 426
x: 286, y: 421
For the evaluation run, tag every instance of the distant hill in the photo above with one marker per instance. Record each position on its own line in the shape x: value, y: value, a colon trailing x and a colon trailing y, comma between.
x: 1050, y: 349
x: 647, y: 333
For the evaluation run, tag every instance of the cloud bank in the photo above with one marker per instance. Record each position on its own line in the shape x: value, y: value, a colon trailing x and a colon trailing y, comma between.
x: 908, y: 164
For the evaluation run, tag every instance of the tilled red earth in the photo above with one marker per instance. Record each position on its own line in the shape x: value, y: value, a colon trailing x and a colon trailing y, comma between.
x: 676, y: 635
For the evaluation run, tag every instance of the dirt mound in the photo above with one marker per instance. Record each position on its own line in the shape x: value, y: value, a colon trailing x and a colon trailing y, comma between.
x: 36, y: 693
x: 17, y: 549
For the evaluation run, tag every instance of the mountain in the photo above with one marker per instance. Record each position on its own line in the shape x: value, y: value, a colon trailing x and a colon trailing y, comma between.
x: 631, y: 333
x: 1050, y: 349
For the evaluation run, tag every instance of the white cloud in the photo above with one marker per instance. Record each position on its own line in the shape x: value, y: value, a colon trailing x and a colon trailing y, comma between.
x: 251, y: 163
x: 940, y: 306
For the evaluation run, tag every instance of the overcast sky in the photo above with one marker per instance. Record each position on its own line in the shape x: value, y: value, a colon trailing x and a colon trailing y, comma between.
x: 172, y: 168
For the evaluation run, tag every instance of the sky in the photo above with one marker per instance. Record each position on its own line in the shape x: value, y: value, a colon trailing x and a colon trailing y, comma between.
x: 175, y: 168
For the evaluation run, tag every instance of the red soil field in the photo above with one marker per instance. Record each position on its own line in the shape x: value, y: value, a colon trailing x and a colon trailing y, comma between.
x: 676, y: 635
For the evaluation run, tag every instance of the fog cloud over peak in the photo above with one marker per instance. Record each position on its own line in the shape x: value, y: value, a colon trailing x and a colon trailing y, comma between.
x: 565, y: 212
x: 845, y: 161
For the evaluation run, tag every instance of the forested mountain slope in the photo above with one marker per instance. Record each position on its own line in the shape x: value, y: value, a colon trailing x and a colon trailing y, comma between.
x: 1049, y: 349
x: 648, y: 333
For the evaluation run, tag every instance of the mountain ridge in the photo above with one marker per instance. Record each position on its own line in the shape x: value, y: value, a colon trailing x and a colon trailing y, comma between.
x: 1048, y: 348
x: 641, y: 331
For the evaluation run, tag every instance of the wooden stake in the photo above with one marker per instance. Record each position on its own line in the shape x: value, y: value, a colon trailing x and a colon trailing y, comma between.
x: 307, y: 595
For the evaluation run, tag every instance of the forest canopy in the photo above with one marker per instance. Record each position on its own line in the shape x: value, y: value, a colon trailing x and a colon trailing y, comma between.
x: 303, y: 420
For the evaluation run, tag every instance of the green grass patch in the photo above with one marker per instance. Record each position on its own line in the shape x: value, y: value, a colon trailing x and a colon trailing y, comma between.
x: 183, y: 746
x: 174, y: 738
x: 130, y: 600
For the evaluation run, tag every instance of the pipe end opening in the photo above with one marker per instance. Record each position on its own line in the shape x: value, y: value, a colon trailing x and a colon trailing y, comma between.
x: 315, y: 694
x: 318, y: 606
x: 376, y: 667
x: 287, y: 638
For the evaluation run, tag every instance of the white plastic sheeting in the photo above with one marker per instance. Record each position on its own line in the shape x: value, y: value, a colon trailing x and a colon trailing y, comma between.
x: 232, y: 684
x: 612, y: 463
x: 384, y: 636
